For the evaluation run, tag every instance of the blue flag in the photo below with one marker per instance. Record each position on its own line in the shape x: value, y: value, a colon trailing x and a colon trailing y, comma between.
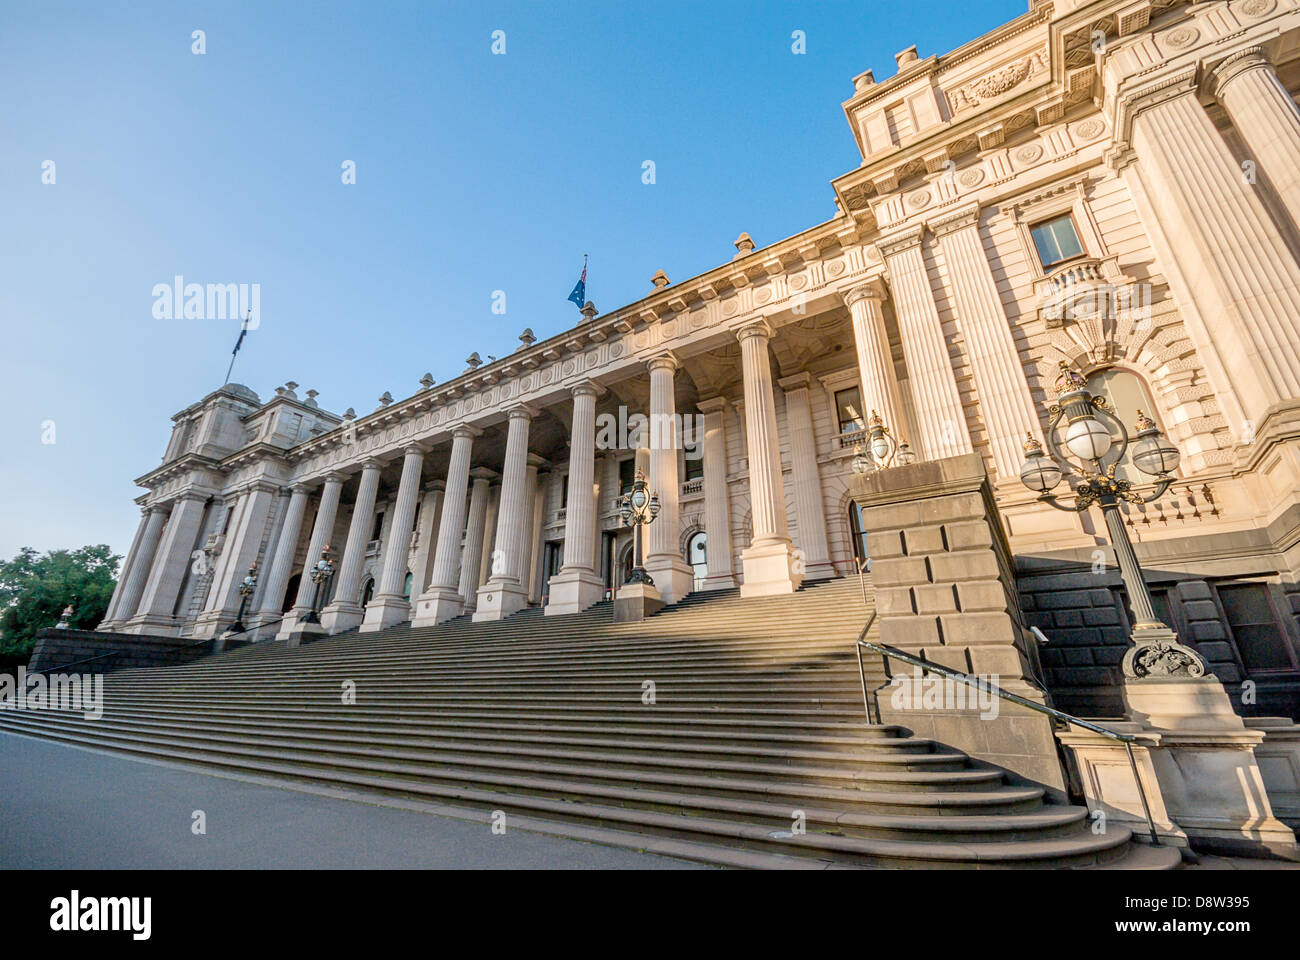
x: 579, y: 294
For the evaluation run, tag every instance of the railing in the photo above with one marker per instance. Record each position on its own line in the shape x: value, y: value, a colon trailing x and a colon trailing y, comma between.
x: 1127, y: 739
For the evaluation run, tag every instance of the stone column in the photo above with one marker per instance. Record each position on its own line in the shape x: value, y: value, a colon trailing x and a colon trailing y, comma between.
x: 663, y: 561
x: 1241, y: 279
x: 277, y: 578
x: 115, y: 602
x: 934, y: 386
x: 717, y: 501
x: 768, y: 563
x: 1006, y: 406
x: 441, y: 600
x: 344, y: 611
x: 535, y: 538
x: 326, y: 511
x: 243, y: 544
x: 158, y: 602
x: 388, y: 606
x: 505, y: 592
x: 806, y: 479
x: 875, y: 359
x: 139, y: 575
x: 577, y: 585
x: 422, y: 568
x: 475, y: 534
x: 489, y: 543
x: 1266, y: 117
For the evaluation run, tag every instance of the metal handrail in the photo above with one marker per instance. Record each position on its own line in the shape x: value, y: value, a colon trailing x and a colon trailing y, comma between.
x: 1128, y: 739
x: 64, y: 666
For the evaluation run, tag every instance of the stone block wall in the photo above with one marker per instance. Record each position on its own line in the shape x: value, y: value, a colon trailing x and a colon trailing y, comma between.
x: 54, y: 648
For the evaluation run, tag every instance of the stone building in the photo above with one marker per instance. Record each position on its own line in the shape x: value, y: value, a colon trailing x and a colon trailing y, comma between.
x: 1114, y: 184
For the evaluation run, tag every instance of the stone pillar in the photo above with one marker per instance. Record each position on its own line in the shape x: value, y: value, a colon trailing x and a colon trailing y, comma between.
x: 441, y: 600
x: 489, y: 543
x: 663, y: 561
x: 929, y: 368
x: 717, y: 501
x: 475, y: 535
x: 111, y: 615
x: 243, y: 544
x: 388, y: 606
x: 158, y: 603
x: 1006, y: 406
x: 875, y: 359
x: 505, y: 592
x: 535, y: 539
x: 326, y: 511
x: 1240, y: 275
x: 578, y: 585
x: 344, y: 611
x: 806, y: 479
x: 946, y: 592
x: 769, y: 563
x: 129, y: 603
x: 1266, y: 117
x: 430, y: 509
x: 277, y: 578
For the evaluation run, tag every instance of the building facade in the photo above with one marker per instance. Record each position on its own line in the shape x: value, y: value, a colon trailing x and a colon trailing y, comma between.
x: 1115, y: 185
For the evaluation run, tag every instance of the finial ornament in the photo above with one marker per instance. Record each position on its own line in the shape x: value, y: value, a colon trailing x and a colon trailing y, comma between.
x: 1069, y: 380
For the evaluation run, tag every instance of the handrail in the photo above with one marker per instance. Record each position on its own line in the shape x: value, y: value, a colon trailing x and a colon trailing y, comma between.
x: 1128, y: 739
x: 73, y: 663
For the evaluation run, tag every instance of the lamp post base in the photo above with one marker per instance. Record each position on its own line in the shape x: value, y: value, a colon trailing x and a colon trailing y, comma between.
x: 636, y: 601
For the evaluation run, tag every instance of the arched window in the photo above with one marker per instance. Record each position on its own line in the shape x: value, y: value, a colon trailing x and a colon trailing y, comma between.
x: 406, y: 586
x: 1125, y: 394
x: 858, y: 536
x: 367, y: 592
x: 291, y: 593
x: 696, y: 556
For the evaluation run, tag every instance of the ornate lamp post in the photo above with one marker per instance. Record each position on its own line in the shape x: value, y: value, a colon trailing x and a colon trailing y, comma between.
x: 1095, y: 444
x: 320, y: 573
x: 637, y: 508
x: 882, y: 449
x: 245, y: 591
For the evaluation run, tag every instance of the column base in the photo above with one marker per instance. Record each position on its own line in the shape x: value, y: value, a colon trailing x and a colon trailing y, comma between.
x: 154, y: 625
x: 672, y: 575
x: 304, y: 633
x: 636, y: 601
x: 338, y: 617
x: 286, y: 626
x: 770, y: 569
x: 385, y: 611
x: 497, y: 599
x: 573, y: 591
x: 720, y: 581
x: 437, y: 605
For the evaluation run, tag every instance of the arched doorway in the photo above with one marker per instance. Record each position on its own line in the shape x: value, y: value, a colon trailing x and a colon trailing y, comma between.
x: 406, y: 586
x: 625, y: 564
x: 291, y: 593
x: 367, y: 592
x: 696, y: 556
x: 858, y: 537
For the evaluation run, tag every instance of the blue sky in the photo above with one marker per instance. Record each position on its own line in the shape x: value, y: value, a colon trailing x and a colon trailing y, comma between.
x: 474, y: 173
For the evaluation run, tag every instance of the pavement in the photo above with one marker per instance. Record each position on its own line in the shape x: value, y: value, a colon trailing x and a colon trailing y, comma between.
x: 63, y: 807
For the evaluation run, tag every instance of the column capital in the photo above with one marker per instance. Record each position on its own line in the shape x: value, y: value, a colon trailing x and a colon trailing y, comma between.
x: 1131, y: 103
x: 901, y: 241
x: 796, y: 381
x: 587, y: 388
x: 334, y: 476
x: 417, y: 446
x: 537, y: 461
x: 711, y: 405
x: 664, y: 361
x: 1243, y: 61
x: 371, y: 463
x: 196, y: 495
x: 466, y: 430
x: 485, y: 474
x: 300, y: 487
x: 757, y: 327
x: 521, y: 411
x: 873, y: 289
x: 964, y: 216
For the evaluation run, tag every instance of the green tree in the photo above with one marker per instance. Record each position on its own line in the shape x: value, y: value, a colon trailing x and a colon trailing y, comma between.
x: 35, y: 588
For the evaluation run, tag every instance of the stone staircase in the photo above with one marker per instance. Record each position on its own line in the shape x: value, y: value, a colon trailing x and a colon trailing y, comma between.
x: 756, y: 722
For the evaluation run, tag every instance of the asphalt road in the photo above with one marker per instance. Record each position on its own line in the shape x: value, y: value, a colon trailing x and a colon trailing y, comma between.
x: 62, y: 807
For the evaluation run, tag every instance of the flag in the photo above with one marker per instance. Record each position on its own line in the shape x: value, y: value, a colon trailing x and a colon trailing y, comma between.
x: 579, y: 294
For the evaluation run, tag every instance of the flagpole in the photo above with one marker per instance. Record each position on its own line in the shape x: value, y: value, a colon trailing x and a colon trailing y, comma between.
x: 243, y: 329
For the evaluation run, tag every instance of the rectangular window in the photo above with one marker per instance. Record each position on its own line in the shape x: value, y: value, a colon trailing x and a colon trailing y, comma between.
x: 626, y: 475
x: 848, y: 410
x: 694, y: 466
x: 379, y: 526
x: 1259, y: 638
x: 1056, y: 240
x: 564, y: 492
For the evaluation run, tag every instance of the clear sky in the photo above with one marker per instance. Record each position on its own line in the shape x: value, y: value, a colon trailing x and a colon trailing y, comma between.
x: 475, y: 173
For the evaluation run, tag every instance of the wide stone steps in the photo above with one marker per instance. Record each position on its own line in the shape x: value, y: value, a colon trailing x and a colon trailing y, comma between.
x: 754, y: 751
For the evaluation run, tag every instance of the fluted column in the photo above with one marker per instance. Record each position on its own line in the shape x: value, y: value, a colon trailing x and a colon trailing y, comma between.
x: 809, y: 510
x: 880, y: 390
x: 1266, y: 117
x: 717, y: 502
x: 158, y: 602
x: 505, y: 592
x: 139, y: 576
x: 426, y: 541
x: 277, y: 578
x: 344, y: 611
x: 1006, y: 406
x: 112, y: 615
x: 769, y: 563
x: 441, y: 599
x: 663, y: 561
x: 243, y: 545
x: 577, y: 584
x: 475, y: 534
x: 388, y: 606
x: 322, y: 528
x: 1240, y: 275
x: 929, y: 369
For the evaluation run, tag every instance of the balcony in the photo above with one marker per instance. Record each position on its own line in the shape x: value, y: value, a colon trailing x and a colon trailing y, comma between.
x: 1089, y: 288
x: 691, y: 488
